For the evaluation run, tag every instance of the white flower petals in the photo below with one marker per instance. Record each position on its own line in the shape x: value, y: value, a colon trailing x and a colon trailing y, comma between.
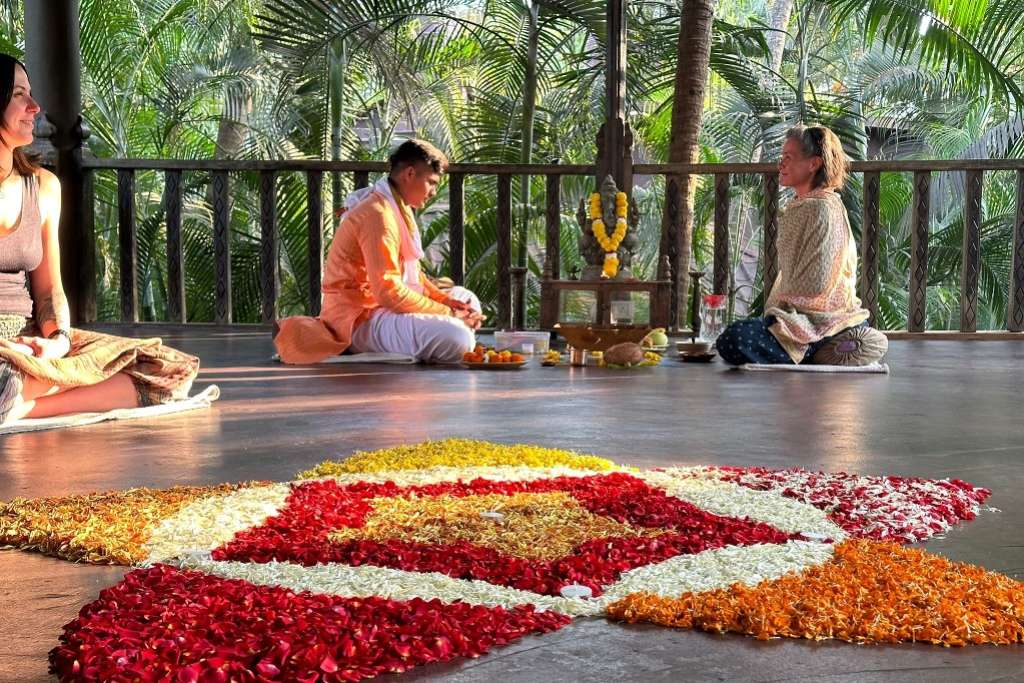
x: 733, y: 500
x: 207, y: 523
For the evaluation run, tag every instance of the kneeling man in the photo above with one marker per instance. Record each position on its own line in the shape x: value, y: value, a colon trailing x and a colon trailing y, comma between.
x: 375, y: 299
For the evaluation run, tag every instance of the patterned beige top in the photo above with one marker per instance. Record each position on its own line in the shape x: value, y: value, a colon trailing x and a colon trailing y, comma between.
x: 815, y: 293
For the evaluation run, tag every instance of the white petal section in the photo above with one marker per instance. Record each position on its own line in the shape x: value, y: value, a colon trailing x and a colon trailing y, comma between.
x: 207, y: 523
x: 711, y: 569
x: 733, y: 500
x: 364, y: 581
x: 720, y: 568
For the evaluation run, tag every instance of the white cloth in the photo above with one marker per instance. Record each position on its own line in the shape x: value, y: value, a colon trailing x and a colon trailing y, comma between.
x: 465, y: 296
x: 426, y: 337
x: 410, y: 250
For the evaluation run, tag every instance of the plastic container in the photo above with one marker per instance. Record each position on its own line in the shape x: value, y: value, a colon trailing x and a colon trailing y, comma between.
x: 514, y: 341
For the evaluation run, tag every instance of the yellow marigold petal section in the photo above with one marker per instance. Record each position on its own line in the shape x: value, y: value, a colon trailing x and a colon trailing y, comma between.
x: 456, y: 453
x: 101, y: 528
x: 533, y: 526
x: 871, y: 592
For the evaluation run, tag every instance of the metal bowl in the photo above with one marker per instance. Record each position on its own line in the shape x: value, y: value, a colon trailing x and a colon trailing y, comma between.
x: 600, y: 338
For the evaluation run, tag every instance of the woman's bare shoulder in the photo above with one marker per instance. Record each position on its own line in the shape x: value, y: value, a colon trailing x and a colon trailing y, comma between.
x: 48, y: 182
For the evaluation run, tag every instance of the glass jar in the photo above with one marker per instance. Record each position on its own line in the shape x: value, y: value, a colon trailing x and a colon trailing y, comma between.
x: 712, y: 316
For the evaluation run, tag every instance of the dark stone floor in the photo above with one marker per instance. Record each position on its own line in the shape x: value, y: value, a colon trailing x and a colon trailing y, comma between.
x: 949, y: 409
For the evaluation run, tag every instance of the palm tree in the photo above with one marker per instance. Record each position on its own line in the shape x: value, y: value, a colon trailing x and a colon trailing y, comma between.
x: 693, y: 55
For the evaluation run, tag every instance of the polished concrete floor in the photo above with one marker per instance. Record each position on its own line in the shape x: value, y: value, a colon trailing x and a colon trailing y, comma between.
x: 949, y: 409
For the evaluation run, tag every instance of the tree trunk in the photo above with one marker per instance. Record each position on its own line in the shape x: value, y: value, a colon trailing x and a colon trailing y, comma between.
x: 745, y: 271
x: 694, y: 53
x: 526, y: 152
x: 338, y: 60
x: 778, y: 19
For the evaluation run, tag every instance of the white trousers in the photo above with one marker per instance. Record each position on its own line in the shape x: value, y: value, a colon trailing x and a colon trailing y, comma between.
x: 427, y: 337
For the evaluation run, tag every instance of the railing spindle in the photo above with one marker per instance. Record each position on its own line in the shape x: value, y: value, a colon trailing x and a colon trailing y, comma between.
x: 869, y: 237
x: 721, y: 265
x: 87, y: 278
x: 971, y: 265
x: 1015, y: 315
x: 553, y: 227
x: 504, y: 251
x: 128, y: 242
x: 920, y: 229
x: 457, y: 227
x: 222, y: 246
x: 771, y: 232
x: 270, y: 281
x: 175, y: 254
x: 670, y: 245
x: 362, y: 179
x: 315, y: 232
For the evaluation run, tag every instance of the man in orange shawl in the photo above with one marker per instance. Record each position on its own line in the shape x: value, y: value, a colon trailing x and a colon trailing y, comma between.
x: 375, y: 299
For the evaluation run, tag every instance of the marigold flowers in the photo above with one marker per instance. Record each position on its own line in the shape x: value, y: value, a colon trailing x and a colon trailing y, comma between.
x: 457, y: 453
x: 420, y: 553
x: 610, y: 243
x: 871, y: 592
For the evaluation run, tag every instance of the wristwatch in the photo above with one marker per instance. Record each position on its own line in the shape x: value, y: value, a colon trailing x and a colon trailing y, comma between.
x: 60, y: 333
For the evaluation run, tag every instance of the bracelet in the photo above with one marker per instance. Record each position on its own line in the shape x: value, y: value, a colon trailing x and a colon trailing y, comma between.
x: 60, y: 333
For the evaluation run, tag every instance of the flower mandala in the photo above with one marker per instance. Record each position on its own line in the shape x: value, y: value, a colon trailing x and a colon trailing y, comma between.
x: 392, y: 559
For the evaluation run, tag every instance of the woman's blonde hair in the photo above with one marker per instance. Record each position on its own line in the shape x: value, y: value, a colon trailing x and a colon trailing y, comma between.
x: 819, y: 141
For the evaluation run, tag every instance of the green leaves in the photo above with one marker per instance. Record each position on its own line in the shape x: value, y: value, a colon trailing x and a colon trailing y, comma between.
x: 975, y: 40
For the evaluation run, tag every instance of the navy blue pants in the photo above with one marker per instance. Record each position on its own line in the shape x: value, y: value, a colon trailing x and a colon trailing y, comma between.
x: 749, y: 341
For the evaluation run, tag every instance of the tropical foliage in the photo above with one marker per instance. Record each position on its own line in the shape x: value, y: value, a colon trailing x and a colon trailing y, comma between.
x: 523, y: 80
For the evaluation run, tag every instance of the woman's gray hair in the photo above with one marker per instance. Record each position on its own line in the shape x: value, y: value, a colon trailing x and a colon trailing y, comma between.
x: 819, y: 141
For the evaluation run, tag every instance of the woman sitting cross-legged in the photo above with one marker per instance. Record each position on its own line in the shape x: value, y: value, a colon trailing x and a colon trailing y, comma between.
x: 812, y: 313
x: 46, y: 367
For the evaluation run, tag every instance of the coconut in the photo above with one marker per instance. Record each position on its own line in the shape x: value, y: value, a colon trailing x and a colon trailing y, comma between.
x: 626, y: 353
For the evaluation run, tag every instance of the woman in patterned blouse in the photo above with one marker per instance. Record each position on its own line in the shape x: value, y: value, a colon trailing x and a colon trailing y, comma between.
x: 812, y: 313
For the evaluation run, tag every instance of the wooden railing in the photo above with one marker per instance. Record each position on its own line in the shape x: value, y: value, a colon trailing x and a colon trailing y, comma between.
x: 511, y: 280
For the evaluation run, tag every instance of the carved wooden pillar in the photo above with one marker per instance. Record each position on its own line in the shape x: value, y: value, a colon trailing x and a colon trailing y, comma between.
x: 615, y: 140
x: 53, y: 58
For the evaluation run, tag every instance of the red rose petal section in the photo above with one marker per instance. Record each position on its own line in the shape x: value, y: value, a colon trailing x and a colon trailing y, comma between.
x: 299, y: 532
x: 163, y: 623
x: 905, y: 509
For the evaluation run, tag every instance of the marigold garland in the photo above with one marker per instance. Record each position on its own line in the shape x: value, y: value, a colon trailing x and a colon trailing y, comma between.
x: 456, y: 453
x: 610, y: 243
x: 871, y: 592
x: 101, y: 528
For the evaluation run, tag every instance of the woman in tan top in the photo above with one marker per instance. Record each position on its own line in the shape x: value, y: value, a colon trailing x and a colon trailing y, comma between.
x: 46, y: 367
x: 812, y: 313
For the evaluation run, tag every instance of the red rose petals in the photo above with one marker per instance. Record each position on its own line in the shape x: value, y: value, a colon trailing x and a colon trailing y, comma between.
x: 299, y: 532
x: 167, y: 624
x: 906, y: 509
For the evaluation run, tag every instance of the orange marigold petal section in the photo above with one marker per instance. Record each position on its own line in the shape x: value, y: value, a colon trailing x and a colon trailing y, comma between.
x: 871, y: 592
x: 100, y: 528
